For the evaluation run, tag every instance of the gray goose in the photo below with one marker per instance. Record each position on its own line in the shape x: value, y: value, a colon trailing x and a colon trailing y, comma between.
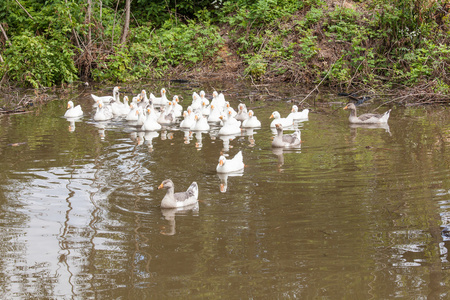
x: 366, y: 118
x: 180, y: 199
x: 286, y: 140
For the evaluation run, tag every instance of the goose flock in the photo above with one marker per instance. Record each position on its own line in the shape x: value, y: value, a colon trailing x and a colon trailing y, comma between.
x: 151, y: 114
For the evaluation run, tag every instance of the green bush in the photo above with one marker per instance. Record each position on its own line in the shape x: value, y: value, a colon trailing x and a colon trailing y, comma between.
x: 42, y: 62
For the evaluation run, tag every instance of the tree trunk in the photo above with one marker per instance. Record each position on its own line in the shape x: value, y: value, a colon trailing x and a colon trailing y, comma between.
x: 126, y: 25
x: 88, y: 21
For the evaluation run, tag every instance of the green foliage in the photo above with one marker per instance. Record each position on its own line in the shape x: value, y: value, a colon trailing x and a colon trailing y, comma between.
x: 256, y: 66
x: 390, y: 41
x: 160, y: 11
x: 42, y: 62
x: 115, y: 68
x: 153, y: 52
x: 244, y: 14
x: 308, y: 47
x: 431, y: 60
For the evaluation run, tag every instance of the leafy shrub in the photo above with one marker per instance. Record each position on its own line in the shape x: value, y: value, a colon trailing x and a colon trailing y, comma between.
x: 42, y: 62
x: 155, y: 51
x: 256, y: 66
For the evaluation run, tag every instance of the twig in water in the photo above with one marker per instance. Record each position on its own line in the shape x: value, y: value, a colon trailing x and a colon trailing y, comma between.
x: 315, y: 88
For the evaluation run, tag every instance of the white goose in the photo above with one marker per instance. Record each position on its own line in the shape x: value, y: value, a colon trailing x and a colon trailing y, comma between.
x: 203, y: 99
x: 150, y: 123
x: 132, y: 114
x: 201, y: 123
x: 230, y: 165
x: 205, y: 109
x: 229, y: 108
x: 120, y: 109
x: 214, y: 115
x: 102, y: 113
x: 189, y: 119
x: 231, y: 126
x: 73, y: 111
x: 252, y: 121
x: 177, y: 108
x: 285, y: 122
x: 196, y: 102
x: 218, y: 100
x: 107, y: 99
x: 298, y: 115
x: 142, y: 116
x: 160, y: 101
x: 242, y: 113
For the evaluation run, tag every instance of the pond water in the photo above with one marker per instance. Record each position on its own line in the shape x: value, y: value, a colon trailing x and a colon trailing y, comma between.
x: 354, y: 213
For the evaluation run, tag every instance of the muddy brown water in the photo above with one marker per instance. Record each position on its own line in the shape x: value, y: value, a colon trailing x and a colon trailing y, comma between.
x: 354, y: 213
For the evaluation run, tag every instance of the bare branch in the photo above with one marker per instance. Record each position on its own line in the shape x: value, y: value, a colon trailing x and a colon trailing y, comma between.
x: 24, y: 9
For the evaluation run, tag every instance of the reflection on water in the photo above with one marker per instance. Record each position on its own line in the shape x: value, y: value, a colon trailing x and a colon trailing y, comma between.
x: 384, y: 126
x: 170, y: 214
x: 223, y: 187
x: 362, y: 208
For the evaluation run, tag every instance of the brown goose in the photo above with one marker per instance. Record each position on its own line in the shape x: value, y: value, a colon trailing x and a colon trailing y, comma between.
x: 366, y: 118
x: 180, y: 199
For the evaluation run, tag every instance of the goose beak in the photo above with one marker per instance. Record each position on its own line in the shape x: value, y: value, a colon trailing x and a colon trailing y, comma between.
x: 220, y: 162
x: 271, y: 116
x: 346, y: 107
x: 160, y: 186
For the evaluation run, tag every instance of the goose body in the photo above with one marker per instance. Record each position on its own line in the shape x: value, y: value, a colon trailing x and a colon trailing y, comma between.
x: 107, y: 99
x: 180, y: 199
x: 165, y: 119
x: 298, y: 115
x: 218, y: 100
x: 214, y: 115
x: 203, y: 98
x: 160, y: 101
x: 366, y: 118
x: 231, y: 126
x: 142, y: 116
x: 229, y: 109
x: 252, y: 121
x: 230, y: 165
x: 73, y: 111
x: 118, y: 108
x: 143, y: 99
x: 177, y: 108
x: 242, y: 113
x: 133, y: 114
x: 189, y: 119
x: 102, y: 113
x: 286, y: 140
x: 150, y: 123
x: 196, y: 104
x: 201, y: 123
x: 277, y: 119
